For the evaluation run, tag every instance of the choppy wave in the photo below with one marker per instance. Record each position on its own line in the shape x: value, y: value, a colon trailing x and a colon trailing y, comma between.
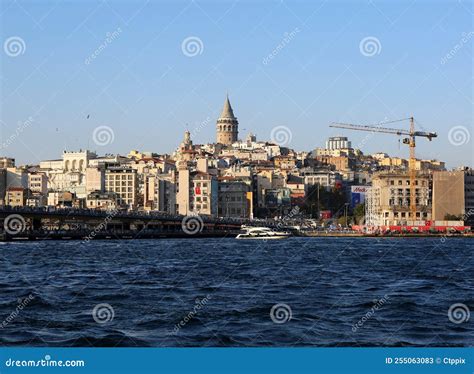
x: 217, y: 292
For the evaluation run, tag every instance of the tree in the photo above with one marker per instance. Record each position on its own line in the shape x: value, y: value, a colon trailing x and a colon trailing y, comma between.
x: 324, y: 200
x: 359, y: 212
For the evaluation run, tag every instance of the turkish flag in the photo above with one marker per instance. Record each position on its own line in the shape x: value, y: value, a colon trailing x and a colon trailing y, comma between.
x: 197, y: 190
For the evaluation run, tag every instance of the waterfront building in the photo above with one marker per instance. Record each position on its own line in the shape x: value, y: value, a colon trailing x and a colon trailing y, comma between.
x: 453, y: 195
x: 204, y: 193
x: 36, y: 199
x: 16, y: 196
x: 69, y: 172
x: 62, y: 199
x: 38, y: 185
x: 124, y: 183
x: 235, y: 198
x: 277, y: 202
x: 101, y: 200
x: 389, y: 199
x: 197, y: 190
x: 165, y: 193
x: 183, y: 187
x: 38, y: 182
x: 227, y: 125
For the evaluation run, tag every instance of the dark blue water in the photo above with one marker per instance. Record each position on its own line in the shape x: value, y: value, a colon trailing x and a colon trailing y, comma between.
x: 329, y: 284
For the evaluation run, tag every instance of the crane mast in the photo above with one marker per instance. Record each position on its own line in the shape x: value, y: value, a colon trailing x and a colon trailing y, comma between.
x: 412, y: 169
x: 410, y: 140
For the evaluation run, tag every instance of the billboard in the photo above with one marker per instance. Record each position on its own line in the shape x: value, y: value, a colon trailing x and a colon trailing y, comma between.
x: 358, y: 195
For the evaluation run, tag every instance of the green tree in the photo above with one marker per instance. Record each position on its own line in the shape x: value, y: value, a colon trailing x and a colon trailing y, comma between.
x: 359, y: 212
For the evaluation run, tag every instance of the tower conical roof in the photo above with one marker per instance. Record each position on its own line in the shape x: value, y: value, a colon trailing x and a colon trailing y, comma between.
x: 227, y: 111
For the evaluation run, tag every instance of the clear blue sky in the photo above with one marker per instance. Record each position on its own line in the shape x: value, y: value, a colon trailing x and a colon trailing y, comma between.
x: 146, y: 89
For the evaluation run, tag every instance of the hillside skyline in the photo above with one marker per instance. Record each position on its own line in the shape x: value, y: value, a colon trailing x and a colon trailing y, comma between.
x: 150, y: 70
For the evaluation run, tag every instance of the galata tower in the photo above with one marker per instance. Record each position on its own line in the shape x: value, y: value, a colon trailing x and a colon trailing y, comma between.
x: 227, y: 125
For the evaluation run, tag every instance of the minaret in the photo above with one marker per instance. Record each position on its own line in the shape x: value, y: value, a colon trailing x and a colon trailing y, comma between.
x: 227, y: 125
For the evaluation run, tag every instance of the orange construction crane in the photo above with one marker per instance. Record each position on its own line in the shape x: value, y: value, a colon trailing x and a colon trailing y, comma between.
x: 412, y: 134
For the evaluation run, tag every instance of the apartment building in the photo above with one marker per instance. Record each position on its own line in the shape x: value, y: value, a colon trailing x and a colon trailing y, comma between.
x: 123, y: 182
x: 389, y: 199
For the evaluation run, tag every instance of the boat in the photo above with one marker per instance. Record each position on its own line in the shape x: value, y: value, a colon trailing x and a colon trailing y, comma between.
x: 262, y: 233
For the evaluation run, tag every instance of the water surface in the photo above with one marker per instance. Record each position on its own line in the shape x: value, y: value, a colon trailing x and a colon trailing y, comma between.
x: 220, y: 292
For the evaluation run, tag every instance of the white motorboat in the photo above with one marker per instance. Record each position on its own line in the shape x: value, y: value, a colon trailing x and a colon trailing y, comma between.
x: 263, y: 233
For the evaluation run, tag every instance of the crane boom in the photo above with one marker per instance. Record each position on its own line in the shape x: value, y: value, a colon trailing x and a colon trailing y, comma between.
x: 350, y: 126
x: 412, y: 134
x: 387, y: 130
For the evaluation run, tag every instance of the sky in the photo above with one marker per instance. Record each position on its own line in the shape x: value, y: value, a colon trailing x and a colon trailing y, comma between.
x: 112, y: 76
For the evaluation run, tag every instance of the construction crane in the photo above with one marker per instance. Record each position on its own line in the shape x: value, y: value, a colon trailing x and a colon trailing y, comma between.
x: 410, y: 140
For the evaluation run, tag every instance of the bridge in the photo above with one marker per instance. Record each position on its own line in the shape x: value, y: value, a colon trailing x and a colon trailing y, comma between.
x: 28, y: 223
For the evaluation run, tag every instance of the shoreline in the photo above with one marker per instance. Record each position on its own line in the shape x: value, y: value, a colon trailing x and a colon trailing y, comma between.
x: 202, y: 235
